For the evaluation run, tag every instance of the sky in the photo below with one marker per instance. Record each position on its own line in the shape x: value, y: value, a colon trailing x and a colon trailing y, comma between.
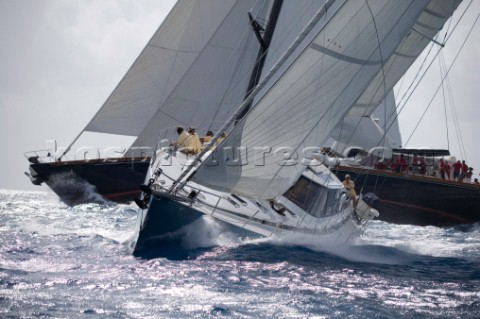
x: 59, y: 61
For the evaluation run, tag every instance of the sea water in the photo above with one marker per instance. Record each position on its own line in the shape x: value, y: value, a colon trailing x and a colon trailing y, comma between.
x: 62, y: 262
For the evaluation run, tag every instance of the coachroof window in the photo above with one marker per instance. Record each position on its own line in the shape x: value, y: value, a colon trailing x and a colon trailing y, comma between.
x: 315, y: 199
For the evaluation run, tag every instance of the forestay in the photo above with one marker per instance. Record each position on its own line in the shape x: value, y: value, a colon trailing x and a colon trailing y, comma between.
x: 346, y: 51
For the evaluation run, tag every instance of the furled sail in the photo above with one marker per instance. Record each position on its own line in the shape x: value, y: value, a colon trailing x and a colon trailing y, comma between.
x: 185, y: 37
x: 344, y: 52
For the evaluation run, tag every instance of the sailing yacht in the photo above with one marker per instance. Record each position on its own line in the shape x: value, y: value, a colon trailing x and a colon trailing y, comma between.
x: 416, y: 199
x: 409, y: 197
x: 268, y: 176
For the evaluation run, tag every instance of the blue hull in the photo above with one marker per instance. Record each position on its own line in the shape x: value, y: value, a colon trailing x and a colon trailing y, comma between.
x: 161, y: 232
x: 164, y: 217
x: 414, y: 200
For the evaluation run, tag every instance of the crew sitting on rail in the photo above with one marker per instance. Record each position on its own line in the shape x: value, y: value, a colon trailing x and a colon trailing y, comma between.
x: 188, y: 142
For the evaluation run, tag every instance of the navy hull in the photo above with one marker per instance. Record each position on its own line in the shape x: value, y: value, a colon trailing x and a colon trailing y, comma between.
x: 164, y: 217
x: 417, y: 200
x: 77, y: 182
x: 163, y: 228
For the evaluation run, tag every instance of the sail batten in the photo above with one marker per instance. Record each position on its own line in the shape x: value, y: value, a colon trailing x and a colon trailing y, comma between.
x: 310, y: 97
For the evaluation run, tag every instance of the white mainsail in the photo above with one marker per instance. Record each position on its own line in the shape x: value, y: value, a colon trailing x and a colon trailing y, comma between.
x: 347, y: 50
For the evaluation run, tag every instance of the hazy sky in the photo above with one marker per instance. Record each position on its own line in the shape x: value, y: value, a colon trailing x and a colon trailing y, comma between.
x: 60, y: 60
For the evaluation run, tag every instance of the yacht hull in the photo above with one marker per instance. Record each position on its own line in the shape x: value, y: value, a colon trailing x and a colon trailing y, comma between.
x: 162, y: 225
x: 78, y: 182
x: 417, y: 200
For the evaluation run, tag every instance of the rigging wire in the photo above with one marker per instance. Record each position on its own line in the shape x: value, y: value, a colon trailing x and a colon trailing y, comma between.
x: 455, y: 116
x: 281, y: 61
x: 440, y: 60
x: 407, y: 95
x: 443, y: 79
x: 417, y: 80
x: 384, y: 91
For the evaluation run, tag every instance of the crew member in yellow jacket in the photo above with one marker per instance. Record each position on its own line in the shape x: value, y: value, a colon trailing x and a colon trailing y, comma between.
x: 350, y: 186
x: 194, y: 145
x: 187, y: 142
x: 182, y: 138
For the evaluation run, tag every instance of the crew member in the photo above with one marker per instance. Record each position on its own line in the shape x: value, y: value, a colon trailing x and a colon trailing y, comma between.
x: 350, y: 186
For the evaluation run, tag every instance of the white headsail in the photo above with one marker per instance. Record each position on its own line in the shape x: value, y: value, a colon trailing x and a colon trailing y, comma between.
x: 349, y: 49
x: 216, y: 82
x: 186, y: 72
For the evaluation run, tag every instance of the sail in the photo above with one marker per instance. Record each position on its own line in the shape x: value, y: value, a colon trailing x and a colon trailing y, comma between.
x: 358, y: 133
x: 215, y: 82
x: 386, y: 116
x: 169, y: 55
x: 367, y: 132
x: 343, y: 53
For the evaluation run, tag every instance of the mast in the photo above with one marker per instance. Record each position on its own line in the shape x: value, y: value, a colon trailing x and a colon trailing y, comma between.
x: 262, y: 51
